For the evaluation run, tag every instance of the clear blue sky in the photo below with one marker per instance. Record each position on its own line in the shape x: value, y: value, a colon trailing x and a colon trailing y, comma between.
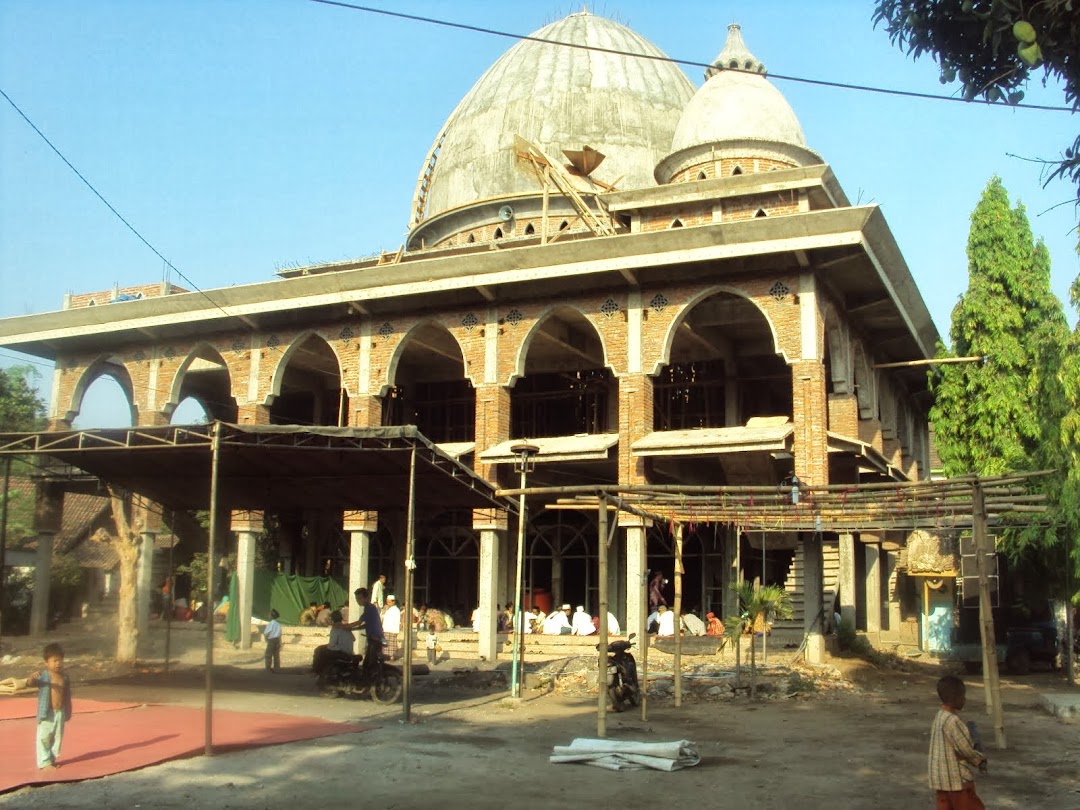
x: 242, y: 136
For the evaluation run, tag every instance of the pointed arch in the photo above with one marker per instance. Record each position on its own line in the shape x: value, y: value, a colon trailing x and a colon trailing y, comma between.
x: 403, y: 345
x: 219, y: 401
x: 288, y: 354
x: 676, y: 223
x: 105, y: 366
x: 530, y: 229
x: 673, y: 328
x: 546, y: 315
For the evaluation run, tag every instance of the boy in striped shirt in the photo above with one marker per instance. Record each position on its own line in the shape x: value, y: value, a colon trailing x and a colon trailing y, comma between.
x: 953, y: 757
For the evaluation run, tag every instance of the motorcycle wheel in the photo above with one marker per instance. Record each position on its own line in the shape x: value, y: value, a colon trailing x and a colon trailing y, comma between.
x: 635, y: 696
x: 616, y: 698
x: 387, y: 687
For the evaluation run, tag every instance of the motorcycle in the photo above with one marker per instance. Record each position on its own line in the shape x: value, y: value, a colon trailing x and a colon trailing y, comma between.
x: 623, y: 689
x: 346, y: 676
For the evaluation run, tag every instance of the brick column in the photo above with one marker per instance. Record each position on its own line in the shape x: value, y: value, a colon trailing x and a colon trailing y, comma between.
x: 492, y: 424
x: 844, y: 414
x: 48, y: 519
x: 635, y: 422
x: 810, y: 414
x: 252, y: 413
x: 873, y: 588
x: 365, y: 410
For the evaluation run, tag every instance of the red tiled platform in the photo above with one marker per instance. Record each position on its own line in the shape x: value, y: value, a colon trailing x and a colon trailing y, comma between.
x: 122, y: 737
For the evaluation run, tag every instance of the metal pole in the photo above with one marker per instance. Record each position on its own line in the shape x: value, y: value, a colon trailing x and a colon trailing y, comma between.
x: 764, y: 623
x: 516, y: 670
x: 3, y: 544
x: 986, y: 616
x: 602, y: 564
x: 168, y: 608
x: 676, y: 663
x: 410, y: 567
x: 208, y: 710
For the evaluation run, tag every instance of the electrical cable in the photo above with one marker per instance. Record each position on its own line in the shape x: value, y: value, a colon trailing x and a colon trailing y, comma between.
x: 683, y: 62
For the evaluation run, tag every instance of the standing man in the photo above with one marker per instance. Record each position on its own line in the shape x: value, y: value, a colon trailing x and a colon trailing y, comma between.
x: 371, y: 624
x: 378, y: 591
x: 391, y: 622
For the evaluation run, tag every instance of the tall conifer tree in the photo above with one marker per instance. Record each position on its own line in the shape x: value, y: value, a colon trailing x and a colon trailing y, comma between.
x: 1003, y: 415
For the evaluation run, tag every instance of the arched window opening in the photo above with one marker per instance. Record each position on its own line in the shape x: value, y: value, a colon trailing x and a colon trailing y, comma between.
x: 736, y: 170
x: 529, y: 229
x: 676, y: 224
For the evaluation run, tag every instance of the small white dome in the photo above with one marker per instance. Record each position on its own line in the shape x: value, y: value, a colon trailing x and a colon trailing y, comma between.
x: 737, y: 104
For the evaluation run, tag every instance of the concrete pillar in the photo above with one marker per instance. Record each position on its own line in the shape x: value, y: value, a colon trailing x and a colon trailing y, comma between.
x: 873, y: 587
x: 812, y: 607
x: 245, y: 575
x: 637, y: 608
x: 847, y: 578
x: 892, y: 560
x: 144, y: 582
x: 359, y: 563
x: 39, y: 608
x: 505, y: 574
x: 487, y: 615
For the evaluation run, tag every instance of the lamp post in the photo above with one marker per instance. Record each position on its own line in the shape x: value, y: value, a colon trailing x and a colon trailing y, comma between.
x: 523, y: 465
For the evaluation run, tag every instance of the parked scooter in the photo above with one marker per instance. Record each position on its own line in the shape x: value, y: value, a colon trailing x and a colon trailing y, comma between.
x: 345, y: 676
x: 623, y: 689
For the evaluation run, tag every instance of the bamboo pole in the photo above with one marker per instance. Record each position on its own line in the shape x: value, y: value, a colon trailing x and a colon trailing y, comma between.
x: 643, y: 634
x: 602, y: 566
x: 986, y: 618
x: 3, y: 543
x: 208, y: 710
x: 676, y: 663
x: 410, y: 568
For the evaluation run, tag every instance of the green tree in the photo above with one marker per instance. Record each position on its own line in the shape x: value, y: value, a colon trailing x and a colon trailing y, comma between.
x: 992, y: 47
x: 1070, y: 440
x: 1003, y: 415
x: 759, y: 605
x: 20, y: 406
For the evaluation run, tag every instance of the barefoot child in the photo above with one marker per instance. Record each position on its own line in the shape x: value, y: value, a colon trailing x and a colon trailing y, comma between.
x: 953, y: 757
x: 54, y: 706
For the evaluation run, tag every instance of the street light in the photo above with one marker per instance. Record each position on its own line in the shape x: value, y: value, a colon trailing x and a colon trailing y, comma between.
x: 523, y: 465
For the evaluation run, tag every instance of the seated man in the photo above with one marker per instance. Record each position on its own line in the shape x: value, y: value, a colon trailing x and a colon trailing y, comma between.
x: 582, y: 625
x: 693, y: 625
x: 666, y: 622
x: 558, y: 622
x: 341, y: 643
x: 324, y: 616
x: 308, y: 614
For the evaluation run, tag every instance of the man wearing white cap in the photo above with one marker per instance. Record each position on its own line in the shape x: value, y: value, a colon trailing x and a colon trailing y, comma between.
x: 583, y: 623
x: 391, y: 621
x: 558, y: 622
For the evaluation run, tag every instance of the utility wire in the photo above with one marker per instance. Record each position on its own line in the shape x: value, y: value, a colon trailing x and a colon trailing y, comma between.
x: 685, y: 62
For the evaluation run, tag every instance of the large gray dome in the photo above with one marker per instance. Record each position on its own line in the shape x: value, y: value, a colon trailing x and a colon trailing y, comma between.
x: 560, y: 98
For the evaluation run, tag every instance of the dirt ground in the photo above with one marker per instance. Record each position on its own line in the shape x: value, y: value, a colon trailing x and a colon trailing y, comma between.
x: 848, y: 735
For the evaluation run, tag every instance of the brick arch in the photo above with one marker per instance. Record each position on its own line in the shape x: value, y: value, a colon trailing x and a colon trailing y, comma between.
x: 104, y: 366
x: 286, y: 355
x: 546, y: 313
x: 687, y: 308
x: 402, y: 344
x: 197, y: 351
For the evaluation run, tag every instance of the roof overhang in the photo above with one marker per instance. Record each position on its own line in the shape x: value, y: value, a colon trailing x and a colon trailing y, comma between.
x: 851, y: 250
x: 715, y: 441
x: 583, y: 447
x: 267, y: 467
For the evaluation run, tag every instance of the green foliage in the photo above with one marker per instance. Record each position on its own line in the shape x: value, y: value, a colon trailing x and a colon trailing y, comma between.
x: 21, y: 408
x: 768, y: 603
x: 850, y: 641
x: 1069, y: 498
x: 1003, y: 415
x: 66, y: 581
x: 993, y: 47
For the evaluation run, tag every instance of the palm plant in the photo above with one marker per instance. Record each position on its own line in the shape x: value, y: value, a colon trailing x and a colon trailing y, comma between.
x: 765, y: 602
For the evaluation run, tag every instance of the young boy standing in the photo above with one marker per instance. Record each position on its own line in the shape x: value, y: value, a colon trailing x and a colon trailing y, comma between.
x: 54, y: 706
x: 272, y: 634
x: 953, y: 757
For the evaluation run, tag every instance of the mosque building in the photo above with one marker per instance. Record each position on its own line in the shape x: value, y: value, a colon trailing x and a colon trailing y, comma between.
x: 652, y: 283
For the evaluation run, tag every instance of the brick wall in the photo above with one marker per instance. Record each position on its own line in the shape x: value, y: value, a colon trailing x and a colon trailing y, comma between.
x: 79, y: 300
x: 725, y: 167
x: 635, y: 422
x: 811, y: 421
x: 843, y: 414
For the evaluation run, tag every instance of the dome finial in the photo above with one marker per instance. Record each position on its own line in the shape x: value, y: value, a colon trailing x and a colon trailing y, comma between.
x: 735, y: 56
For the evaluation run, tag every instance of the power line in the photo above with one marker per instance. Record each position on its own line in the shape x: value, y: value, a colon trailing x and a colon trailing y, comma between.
x: 684, y: 62
x: 108, y: 205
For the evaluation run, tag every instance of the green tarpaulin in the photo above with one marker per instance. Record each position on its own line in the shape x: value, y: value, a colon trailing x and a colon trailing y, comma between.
x: 288, y: 595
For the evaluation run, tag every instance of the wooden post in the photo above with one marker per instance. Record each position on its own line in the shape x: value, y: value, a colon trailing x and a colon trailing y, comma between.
x: 410, y: 567
x: 676, y: 663
x: 986, y: 616
x: 643, y: 635
x: 602, y: 678
x: 208, y: 710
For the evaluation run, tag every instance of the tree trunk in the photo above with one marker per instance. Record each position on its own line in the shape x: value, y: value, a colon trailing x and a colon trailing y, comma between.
x: 127, y: 549
x: 753, y: 666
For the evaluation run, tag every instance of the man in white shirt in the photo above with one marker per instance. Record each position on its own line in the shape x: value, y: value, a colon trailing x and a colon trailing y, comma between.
x: 558, y: 622
x: 378, y: 591
x: 391, y: 622
x: 582, y: 624
x: 666, y: 622
x: 613, y: 627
